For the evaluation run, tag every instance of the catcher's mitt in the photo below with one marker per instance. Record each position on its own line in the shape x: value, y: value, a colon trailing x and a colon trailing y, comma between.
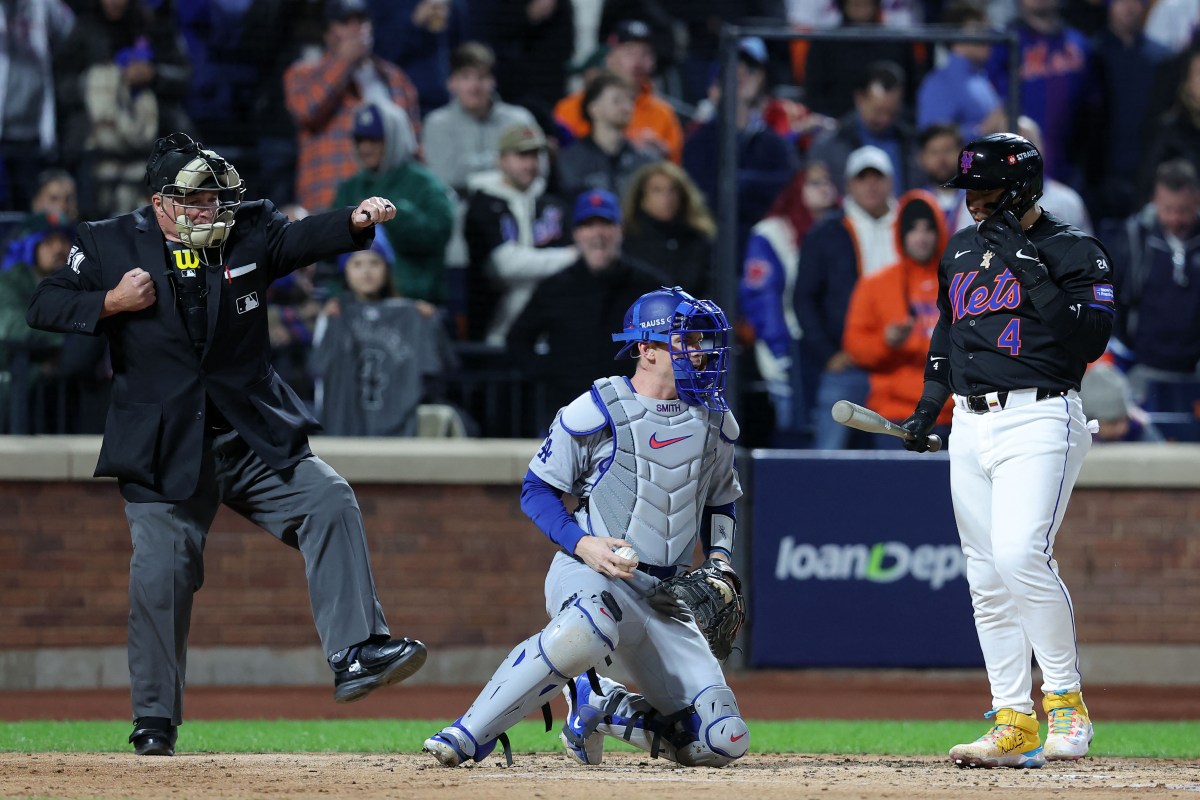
x: 713, y: 594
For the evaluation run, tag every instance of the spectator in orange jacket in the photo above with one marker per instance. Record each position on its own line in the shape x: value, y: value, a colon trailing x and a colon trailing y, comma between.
x: 653, y: 125
x: 892, y: 312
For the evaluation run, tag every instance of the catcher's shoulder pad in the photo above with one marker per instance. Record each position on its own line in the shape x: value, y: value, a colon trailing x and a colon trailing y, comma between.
x: 730, y: 430
x: 584, y: 415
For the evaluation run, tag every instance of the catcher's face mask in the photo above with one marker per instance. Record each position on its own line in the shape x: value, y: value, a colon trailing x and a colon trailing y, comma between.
x: 697, y: 335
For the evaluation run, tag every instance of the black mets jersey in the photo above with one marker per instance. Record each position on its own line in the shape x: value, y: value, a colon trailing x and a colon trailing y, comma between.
x: 994, y: 334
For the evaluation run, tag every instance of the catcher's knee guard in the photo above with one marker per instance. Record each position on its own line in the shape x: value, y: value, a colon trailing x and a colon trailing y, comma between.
x: 719, y: 732
x: 583, y: 633
x: 580, y: 636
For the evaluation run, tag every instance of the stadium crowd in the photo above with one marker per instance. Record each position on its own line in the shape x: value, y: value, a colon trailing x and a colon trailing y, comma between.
x: 551, y: 159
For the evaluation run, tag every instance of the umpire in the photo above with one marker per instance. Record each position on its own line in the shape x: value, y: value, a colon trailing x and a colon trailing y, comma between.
x: 199, y: 418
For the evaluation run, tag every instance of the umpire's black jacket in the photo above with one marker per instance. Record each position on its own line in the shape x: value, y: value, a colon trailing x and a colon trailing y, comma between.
x: 154, y: 435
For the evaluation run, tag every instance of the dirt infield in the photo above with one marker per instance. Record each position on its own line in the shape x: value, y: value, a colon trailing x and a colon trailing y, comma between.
x: 764, y: 777
x: 766, y: 695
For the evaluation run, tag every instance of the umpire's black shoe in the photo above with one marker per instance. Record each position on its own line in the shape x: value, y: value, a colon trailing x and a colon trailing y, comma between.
x: 153, y: 736
x: 365, y: 667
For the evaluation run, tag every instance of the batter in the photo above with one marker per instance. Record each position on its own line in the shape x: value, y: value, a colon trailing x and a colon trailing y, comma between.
x: 1025, y: 302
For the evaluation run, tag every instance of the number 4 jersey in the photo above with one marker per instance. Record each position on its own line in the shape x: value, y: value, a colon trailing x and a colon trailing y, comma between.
x: 996, y: 336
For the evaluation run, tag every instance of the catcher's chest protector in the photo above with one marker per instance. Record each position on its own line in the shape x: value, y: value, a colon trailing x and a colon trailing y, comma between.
x: 652, y: 492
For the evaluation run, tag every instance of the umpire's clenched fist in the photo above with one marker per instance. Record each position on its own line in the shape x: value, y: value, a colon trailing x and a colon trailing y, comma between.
x: 133, y: 293
x: 371, y: 211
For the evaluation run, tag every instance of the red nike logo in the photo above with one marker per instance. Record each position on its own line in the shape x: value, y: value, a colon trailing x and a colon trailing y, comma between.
x: 739, y: 736
x: 656, y: 443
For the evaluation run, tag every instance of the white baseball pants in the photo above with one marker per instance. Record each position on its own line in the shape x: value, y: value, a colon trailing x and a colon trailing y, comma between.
x: 1011, y: 475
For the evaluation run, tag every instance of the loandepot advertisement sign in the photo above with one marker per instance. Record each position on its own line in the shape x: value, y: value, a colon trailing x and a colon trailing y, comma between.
x: 883, y: 562
x: 855, y: 562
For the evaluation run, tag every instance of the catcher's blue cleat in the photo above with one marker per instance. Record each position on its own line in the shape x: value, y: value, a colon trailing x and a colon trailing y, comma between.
x: 453, y: 745
x: 579, y: 735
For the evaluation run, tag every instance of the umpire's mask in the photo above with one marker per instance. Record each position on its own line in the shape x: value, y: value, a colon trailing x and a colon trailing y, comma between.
x: 194, y: 178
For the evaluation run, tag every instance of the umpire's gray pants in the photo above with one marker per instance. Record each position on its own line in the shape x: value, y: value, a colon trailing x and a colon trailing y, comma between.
x: 309, y: 507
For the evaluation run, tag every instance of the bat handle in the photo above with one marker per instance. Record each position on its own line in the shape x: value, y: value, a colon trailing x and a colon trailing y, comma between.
x: 934, y: 441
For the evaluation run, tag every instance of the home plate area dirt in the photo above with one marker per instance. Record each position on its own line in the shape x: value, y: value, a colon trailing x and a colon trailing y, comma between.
x: 91, y: 775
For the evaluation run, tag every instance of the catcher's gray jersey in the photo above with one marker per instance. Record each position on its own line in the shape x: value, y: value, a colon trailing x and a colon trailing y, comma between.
x: 645, y: 468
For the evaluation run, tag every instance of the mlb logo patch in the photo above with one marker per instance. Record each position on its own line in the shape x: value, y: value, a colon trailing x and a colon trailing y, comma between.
x: 1103, y: 292
x: 247, y: 302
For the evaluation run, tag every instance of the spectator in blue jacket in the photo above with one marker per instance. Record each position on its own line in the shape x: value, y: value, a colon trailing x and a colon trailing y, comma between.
x: 765, y: 161
x: 876, y: 120
x: 1157, y: 281
x: 959, y: 92
x: 1126, y: 65
x: 418, y: 36
x: 857, y: 241
x: 767, y: 294
x: 1058, y: 89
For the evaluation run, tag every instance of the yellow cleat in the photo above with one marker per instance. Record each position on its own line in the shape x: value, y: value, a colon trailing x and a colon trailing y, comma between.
x: 1013, y: 741
x: 1070, y: 731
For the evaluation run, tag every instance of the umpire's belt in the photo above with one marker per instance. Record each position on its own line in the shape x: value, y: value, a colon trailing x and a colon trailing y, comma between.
x: 1007, y: 398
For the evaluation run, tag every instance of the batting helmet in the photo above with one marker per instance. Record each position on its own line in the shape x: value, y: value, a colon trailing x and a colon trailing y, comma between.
x: 669, y: 315
x: 1002, y: 160
x: 179, y: 167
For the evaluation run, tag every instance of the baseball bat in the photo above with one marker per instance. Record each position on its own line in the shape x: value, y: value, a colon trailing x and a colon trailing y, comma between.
x: 853, y: 415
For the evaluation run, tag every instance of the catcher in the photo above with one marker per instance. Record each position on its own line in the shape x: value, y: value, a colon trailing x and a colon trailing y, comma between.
x: 651, y: 459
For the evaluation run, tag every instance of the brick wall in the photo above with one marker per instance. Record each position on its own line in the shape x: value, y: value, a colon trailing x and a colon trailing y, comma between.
x: 461, y: 566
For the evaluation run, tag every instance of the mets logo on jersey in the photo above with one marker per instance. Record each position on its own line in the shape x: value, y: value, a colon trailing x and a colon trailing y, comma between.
x: 1103, y: 292
x: 991, y: 296
x: 965, y: 163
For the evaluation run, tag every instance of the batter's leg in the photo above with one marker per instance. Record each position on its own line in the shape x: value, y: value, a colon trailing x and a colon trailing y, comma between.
x: 1006, y: 649
x: 1032, y: 486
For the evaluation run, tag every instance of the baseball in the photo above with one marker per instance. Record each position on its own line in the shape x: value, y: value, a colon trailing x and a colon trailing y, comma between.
x: 627, y: 553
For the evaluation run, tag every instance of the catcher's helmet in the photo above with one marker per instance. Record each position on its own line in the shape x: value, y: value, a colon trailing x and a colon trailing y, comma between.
x: 1002, y: 160
x: 667, y: 315
x: 179, y: 167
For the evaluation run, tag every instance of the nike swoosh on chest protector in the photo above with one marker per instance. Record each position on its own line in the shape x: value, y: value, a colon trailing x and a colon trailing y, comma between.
x: 656, y: 443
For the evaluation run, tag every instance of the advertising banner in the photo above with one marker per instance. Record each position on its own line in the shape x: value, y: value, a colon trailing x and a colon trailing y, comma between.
x: 855, y: 563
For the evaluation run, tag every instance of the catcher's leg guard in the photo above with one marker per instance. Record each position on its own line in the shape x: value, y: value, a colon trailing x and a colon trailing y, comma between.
x: 708, y: 733
x: 582, y: 634
x: 719, y: 732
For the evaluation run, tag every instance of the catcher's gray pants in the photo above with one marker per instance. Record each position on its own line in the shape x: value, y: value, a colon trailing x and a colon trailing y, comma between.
x: 669, y: 660
x: 309, y: 507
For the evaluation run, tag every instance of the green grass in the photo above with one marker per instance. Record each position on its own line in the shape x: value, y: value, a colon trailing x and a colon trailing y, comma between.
x: 1179, y: 740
